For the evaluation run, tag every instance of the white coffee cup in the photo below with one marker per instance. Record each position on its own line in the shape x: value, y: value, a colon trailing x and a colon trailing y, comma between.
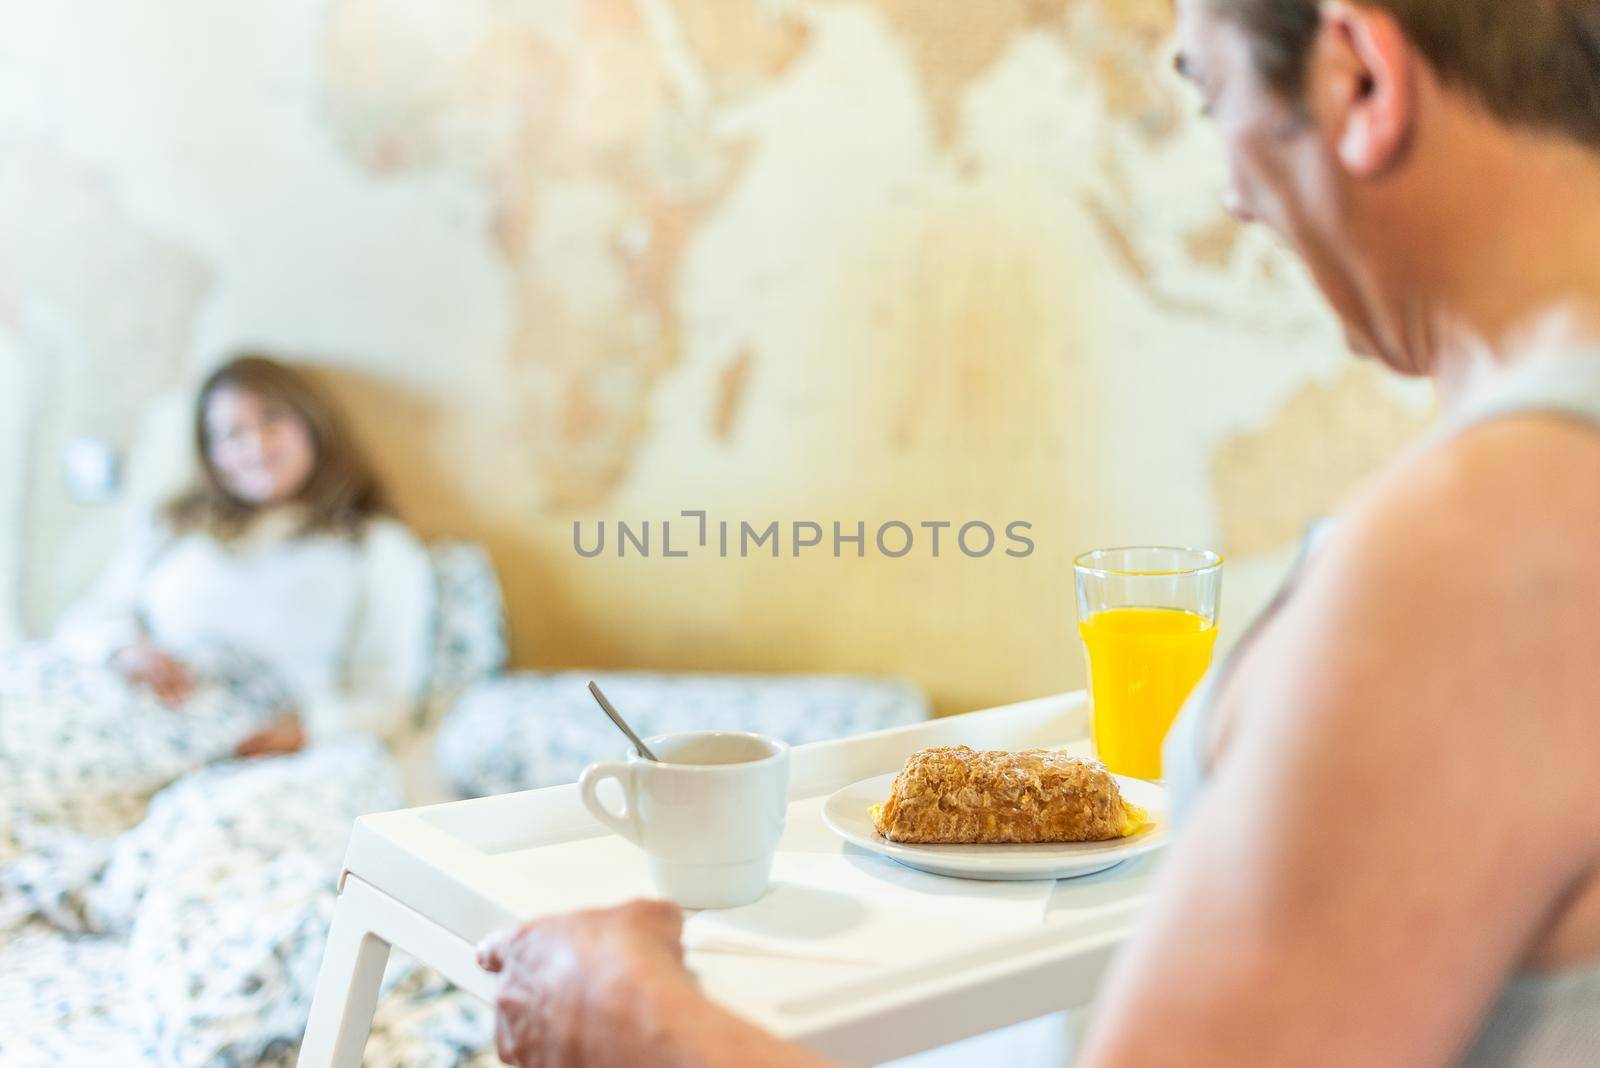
x: 708, y: 815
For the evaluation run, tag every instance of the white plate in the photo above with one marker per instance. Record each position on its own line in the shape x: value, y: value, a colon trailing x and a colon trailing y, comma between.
x: 846, y: 814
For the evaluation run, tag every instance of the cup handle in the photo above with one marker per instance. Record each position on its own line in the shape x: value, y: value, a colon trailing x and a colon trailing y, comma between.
x: 588, y: 785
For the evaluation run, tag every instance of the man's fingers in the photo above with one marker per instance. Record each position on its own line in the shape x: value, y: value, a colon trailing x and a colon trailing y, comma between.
x: 492, y: 951
x: 662, y: 916
x: 505, y: 1042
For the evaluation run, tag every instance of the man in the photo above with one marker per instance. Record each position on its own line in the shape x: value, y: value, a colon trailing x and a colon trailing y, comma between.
x: 1396, y: 857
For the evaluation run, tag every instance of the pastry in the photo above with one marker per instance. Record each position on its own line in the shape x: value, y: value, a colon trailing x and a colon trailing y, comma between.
x: 953, y: 794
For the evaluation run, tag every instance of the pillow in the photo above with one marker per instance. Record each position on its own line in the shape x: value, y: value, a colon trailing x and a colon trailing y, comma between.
x: 470, y: 626
x: 532, y: 729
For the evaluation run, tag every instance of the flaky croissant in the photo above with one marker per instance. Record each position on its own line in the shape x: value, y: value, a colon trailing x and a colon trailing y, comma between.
x: 953, y: 794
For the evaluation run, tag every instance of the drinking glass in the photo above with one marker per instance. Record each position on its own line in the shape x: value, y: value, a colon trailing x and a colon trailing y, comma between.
x: 1148, y: 617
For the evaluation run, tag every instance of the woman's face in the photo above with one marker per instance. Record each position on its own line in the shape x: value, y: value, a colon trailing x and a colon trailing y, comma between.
x: 260, y: 449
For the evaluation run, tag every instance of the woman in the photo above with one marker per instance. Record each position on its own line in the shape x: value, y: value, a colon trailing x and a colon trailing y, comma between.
x: 1391, y: 843
x: 273, y: 610
x: 283, y: 551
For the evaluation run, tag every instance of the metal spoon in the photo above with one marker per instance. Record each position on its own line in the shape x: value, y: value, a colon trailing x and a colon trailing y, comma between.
x: 622, y: 724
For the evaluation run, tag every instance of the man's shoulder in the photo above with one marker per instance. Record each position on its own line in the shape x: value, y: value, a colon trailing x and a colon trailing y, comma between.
x: 1513, y: 498
x: 1478, y: 554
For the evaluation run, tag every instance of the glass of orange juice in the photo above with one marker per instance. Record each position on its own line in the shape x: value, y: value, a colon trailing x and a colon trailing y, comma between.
x: 1148, y: 617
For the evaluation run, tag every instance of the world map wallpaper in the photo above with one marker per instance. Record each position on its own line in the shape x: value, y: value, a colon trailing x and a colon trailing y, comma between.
x: 573, y: 261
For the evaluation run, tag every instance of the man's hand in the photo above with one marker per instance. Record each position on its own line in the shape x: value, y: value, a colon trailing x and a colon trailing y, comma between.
x: 144, y: 664
x: 577, y: 990
x: 281, y: 737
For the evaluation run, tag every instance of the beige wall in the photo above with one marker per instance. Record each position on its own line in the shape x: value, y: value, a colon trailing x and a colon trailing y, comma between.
x: 841, y: 260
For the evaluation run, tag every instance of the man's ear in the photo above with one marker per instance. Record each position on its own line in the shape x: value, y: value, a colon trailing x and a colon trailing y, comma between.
x: 1366, y: 82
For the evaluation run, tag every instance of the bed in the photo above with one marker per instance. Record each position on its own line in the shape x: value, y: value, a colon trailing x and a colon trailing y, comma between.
x: 163, y: 904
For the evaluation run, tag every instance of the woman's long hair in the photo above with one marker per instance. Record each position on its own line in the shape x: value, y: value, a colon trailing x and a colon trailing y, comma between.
x: 342, y: 492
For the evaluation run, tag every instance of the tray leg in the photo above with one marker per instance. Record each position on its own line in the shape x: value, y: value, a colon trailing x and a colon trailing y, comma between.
x: 347, y: 990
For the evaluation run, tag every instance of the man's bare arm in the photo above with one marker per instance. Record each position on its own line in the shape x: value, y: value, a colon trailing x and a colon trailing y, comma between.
x: 1404, y: 801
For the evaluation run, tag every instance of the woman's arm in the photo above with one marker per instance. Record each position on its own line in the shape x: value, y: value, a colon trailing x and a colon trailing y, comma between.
x: 106, y: 619
x: 105, y: 626
x: 390, y: 655
x: 1407, y: 793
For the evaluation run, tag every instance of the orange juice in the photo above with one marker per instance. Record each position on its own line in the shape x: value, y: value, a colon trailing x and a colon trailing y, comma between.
x: 1142, y: 664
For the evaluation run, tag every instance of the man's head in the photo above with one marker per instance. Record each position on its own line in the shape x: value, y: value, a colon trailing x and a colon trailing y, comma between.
x: 1364, y: 132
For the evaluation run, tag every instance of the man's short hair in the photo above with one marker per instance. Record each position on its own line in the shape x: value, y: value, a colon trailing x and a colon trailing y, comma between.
x: 1529, y: 62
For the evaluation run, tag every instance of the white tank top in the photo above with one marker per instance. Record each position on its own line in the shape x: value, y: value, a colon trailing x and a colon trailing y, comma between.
x: 1549, y: 1021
